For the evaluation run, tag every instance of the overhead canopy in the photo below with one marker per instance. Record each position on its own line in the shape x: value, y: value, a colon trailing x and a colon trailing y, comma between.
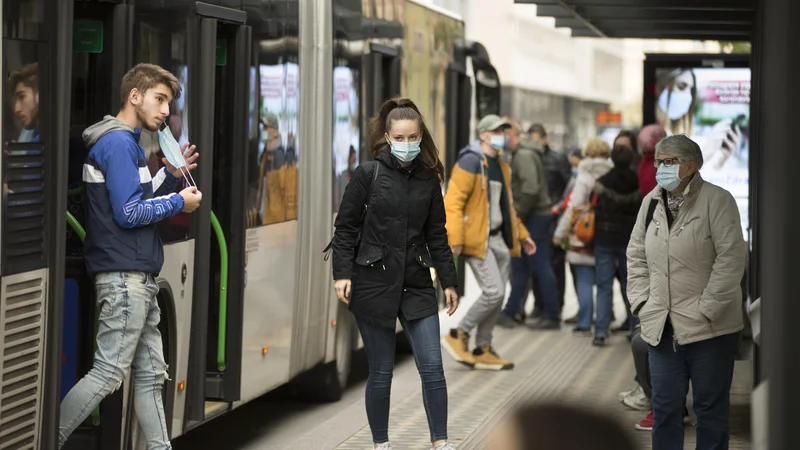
x: 724, y: 20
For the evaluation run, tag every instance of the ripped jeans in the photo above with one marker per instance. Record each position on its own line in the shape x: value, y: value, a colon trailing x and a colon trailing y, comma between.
x: 127, y: 336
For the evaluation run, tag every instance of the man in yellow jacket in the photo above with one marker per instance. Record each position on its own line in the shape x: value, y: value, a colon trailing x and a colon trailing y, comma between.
x: 483, y: 227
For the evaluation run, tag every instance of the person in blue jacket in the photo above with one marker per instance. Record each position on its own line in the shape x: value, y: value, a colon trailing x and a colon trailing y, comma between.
x: 124, y: 253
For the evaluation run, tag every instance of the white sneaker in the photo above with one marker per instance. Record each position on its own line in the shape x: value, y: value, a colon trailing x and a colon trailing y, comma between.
x: 444, y: 446
x: 624, y: 394
x: 637, y: 400
x: 384, y: 446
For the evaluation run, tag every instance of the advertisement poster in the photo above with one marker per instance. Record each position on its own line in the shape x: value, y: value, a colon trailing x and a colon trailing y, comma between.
x: 711, y: 106
x: 346, y: 133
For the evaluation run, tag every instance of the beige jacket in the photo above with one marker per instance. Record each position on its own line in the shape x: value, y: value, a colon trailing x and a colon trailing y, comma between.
x: 691, y: 272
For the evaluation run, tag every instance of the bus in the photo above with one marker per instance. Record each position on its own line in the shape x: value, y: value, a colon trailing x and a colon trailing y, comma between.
x: 276, y: 95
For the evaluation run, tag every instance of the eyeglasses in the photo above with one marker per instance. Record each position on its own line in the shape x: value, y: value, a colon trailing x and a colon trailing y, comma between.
x: 669, y: 162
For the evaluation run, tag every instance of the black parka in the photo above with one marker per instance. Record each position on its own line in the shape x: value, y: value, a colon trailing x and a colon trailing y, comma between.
x: 403, y: 236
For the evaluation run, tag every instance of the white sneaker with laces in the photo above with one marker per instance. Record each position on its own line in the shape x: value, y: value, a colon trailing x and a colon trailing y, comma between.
x: 637, y: 401
x: 624, y: 394
x: 444, y: 446
x: 384, y: 446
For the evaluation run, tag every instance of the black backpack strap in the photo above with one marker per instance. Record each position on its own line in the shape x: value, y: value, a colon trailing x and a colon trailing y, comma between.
x: 651, y: 209
x: 327, y: 250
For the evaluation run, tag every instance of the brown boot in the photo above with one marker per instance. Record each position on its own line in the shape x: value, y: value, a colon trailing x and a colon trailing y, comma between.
x: 487, y: 359
x: 456, y: 343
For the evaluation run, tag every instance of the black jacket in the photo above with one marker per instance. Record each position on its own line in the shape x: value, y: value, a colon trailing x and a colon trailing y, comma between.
x: 618, y: 201
x: 403, y: 236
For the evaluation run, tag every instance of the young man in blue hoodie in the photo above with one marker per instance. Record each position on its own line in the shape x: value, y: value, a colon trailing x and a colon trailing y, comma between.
x: 124, y: 253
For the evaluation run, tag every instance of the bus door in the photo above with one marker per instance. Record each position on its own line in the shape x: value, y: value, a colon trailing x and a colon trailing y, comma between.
x: 33, y: 108
x: 458, y: 95
x: 216, y: 340
x: 382, y: 72
x: 101, y: 33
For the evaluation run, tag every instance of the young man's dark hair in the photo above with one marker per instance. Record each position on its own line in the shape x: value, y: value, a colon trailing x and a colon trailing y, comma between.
x: 123, y: 250
x: 27, y: 75
x: 147, y: 76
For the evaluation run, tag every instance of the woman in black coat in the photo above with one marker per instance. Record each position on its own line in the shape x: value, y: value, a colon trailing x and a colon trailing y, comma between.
x: 382, y: 268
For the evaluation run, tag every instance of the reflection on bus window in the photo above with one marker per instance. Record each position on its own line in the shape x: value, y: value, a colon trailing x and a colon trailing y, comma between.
x: 346, y: 130
x: 276, y: 147
x: 156, y: 35
x: 23, y: 84
x: 20, y: 99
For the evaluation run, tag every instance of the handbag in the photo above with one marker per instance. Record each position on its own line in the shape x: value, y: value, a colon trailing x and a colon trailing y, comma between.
x: 583, y: 224
x: 329, y: 248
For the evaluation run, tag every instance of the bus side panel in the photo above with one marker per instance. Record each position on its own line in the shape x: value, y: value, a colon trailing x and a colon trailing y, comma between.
x: 177, y: 258
x: 22, y: 339
x: 268, y: 308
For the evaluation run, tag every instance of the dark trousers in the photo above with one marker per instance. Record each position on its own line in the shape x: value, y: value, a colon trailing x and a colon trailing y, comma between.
x: 538, y: 264
x: 558, y: 260
x: 708, y: 365
x: 379, y: 344
x: 641, y: 362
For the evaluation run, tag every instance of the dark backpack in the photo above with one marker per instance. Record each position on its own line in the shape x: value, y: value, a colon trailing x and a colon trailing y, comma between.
x: 328, y: 248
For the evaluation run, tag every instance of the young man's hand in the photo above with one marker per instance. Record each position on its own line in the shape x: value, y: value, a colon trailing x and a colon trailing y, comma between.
x: 191, y: 199
x: 188, y: 155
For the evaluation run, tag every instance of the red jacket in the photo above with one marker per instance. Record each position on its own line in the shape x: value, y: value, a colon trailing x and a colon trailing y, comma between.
x: 647, y: 174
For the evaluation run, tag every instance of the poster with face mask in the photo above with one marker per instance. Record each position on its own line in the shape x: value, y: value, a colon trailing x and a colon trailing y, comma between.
x: 712, y: 107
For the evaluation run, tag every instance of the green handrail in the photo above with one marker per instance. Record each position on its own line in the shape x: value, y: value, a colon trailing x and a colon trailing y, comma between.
x: 78, y: 229
x: 223, y: 291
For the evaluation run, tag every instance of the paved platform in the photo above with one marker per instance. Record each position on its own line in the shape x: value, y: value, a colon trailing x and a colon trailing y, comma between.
x: 550, y: 366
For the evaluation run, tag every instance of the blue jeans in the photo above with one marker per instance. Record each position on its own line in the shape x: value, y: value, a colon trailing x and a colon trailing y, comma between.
x: 127, y: 336
x: 379, y: 344
x: 584, y: 280
x: 539, y: 265
x: 611, y: 262
x: 709, y: 366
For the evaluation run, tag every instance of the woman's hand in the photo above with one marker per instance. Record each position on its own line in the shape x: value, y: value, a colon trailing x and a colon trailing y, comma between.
x: 342, y: 288
x: 529, y: 246
x: 452, y: 300
x: 557, y: 241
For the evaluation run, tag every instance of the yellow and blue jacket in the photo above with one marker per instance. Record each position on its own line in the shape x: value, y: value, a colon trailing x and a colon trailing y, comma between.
x: 467, y: 205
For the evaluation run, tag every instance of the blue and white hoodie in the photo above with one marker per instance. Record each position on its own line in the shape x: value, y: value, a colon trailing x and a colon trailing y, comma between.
x: 124, y: 202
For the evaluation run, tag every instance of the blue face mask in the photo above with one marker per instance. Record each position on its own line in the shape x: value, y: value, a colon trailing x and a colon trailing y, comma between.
x: 498, y: 141
x: 667, y: 177
x: 405, y: 151
x: 171, y: 148
x: 575, y: 172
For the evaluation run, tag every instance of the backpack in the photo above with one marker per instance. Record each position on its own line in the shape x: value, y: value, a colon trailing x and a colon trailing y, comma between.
x: 328, y: 249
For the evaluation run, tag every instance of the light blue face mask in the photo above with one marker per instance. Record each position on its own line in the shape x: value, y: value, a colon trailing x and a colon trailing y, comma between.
x: 171, y: 148
x: 498, y: 141
x: 405, y: 151
x: 679, y: 103
x: 667, y: 177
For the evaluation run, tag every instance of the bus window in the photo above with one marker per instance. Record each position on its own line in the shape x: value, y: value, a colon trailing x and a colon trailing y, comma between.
x: 161, y: 39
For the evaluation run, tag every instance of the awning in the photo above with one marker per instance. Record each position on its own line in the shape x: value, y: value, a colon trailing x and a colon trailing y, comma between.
x: 723, y: 20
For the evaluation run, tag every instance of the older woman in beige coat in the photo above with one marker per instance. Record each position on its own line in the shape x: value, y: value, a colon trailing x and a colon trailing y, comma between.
x: 686, y: 259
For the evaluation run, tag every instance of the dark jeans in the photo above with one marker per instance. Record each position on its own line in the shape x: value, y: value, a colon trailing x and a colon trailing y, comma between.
x: 585, y: 277
x: 641, y: 362
x: 379, y: 344
x: 708, y: 365
x: 537, y: 264
x: 610, y: 262
x: 558, y: 259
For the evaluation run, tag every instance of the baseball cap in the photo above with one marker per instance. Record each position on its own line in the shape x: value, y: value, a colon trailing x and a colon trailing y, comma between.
x: 491, y: 123
x: 270, y: 120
